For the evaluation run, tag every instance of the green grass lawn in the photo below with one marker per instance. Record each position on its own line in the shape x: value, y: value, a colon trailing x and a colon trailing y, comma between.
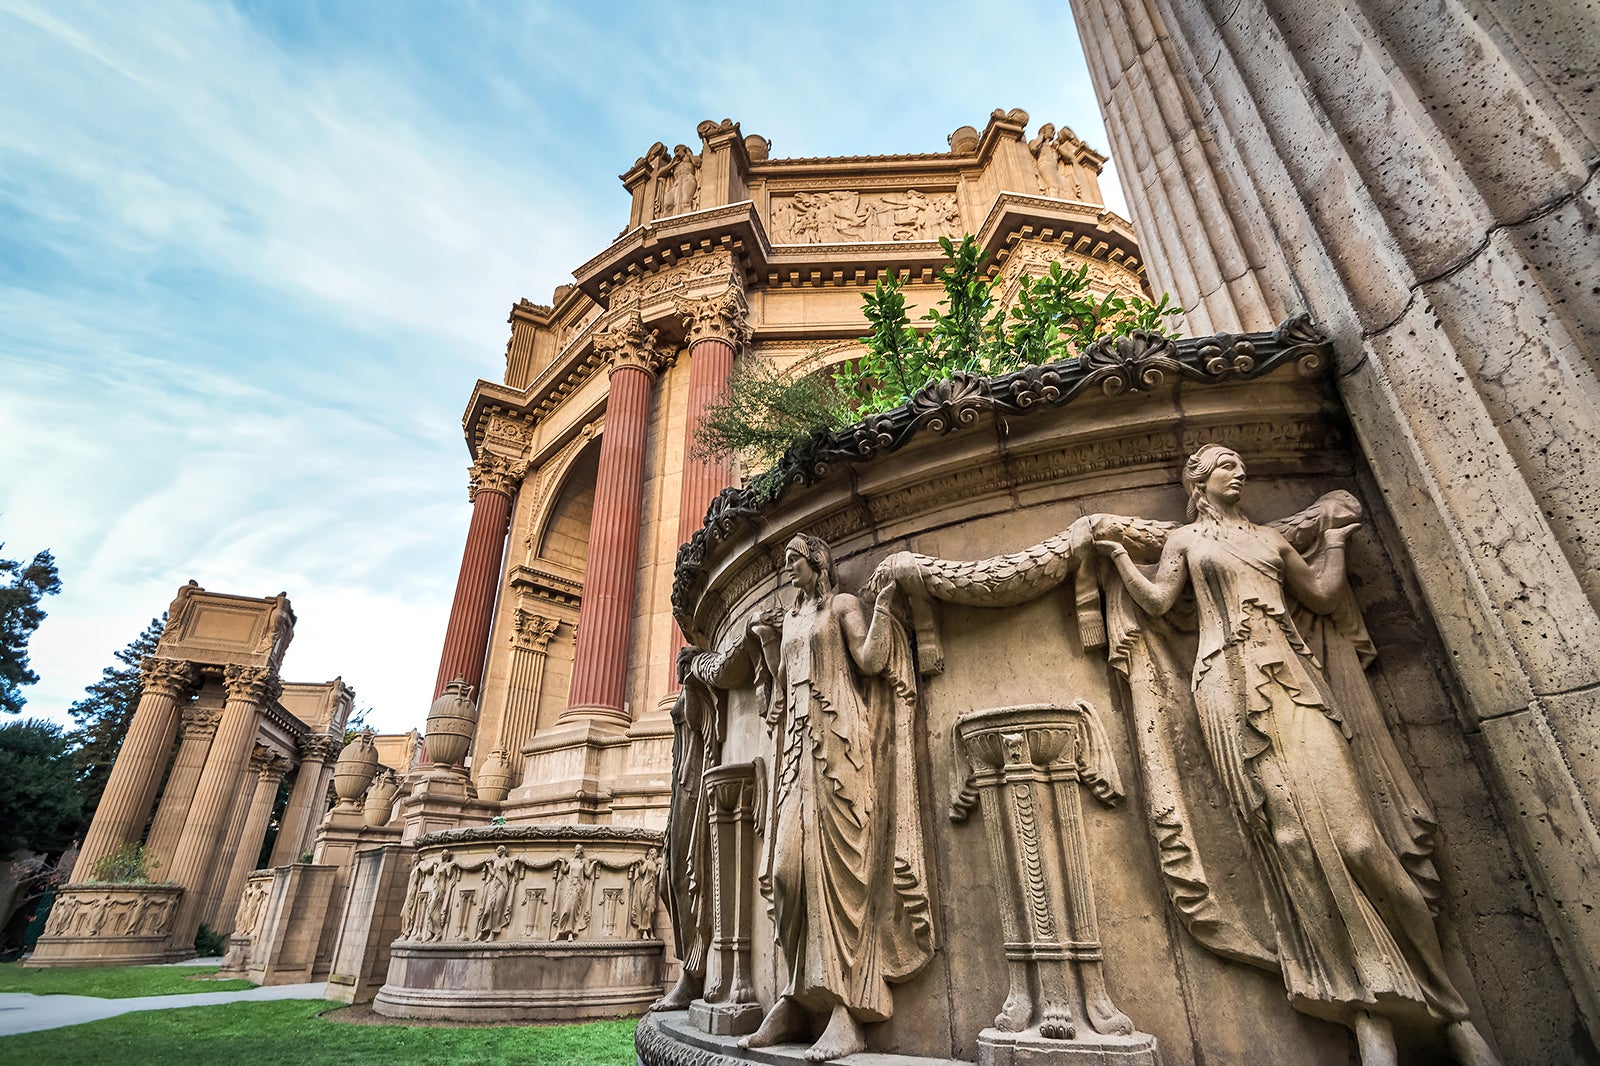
x: 291, y: 1032
x: 112, y: 982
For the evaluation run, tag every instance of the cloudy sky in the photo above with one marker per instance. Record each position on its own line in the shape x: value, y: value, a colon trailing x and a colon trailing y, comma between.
x: 253, y: 256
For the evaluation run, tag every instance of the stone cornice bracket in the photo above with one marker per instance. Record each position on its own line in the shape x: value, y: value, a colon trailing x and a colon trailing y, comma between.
x: 724, y: 316
x: 628, y: 343
x: 200, y: 720
x: 492, y: 472
x: 321, y: 747
x: 254, y: 684
x: 174, y: 678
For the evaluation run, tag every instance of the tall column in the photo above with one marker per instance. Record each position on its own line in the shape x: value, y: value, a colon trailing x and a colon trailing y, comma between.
x: 251, y: 836
x: 198, y: 726
x: 249, y: 689
x: 717, y: 326
x: 530, y: 644
x: 316, y: 751
x: 136, y: 775
x: 217, y: 875
x: 321, y: 802
x: 605, y: 621
x: 466, y: 642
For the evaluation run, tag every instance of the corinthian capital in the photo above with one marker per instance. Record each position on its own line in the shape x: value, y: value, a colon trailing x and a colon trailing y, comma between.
x: 626, y: 342
x: 254, y: 684
x: 200, y: 719
x: 319, y: 747
x: 174, y: 678
x: 533, y: 631
x: 723, y: 316
x: 495, y: 473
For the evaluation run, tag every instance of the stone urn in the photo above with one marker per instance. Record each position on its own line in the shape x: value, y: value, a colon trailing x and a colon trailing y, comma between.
x: 451, y: 722
x: 380, y: 799
x: 494, y: 777
x: 354, y: 769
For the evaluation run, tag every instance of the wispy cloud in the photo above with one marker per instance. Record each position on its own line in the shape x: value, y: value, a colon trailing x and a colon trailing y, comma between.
x: 253, y: 255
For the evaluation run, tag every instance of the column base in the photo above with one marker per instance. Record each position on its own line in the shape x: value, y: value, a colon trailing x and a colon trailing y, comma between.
x: 612, y: 716
x: 1028, y: 1048
x: 725, y: 1019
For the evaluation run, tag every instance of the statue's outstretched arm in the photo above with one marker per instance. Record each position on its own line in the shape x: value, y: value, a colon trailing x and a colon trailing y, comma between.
x: 1156, y: 595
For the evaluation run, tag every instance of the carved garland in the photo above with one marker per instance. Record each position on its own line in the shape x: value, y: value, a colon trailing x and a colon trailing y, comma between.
x: 1138, y: 362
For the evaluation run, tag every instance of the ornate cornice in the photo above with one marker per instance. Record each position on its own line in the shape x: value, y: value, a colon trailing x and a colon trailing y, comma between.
x: 253, y: 684
x: 492, y: 472
x: 1136, y: 363
x: 627, y: 342
x: 319, y: 747
x: 175, y: 679
x: 723, y: 316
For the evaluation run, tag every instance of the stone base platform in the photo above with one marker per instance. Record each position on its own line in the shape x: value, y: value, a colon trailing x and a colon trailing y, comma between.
x: 105, y: 924
x: 551, y: 981
x: 1030, y: 1049
x: 668, y: 1039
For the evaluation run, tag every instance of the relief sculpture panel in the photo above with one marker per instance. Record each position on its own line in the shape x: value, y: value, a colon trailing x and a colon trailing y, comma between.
x: 840, y: 216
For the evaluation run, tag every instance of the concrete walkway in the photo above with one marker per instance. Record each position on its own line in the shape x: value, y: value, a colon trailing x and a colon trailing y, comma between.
x: 24, y: 1012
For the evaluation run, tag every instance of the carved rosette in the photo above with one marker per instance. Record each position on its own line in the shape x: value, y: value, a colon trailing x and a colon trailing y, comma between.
x: 252, y: 684
x: 1025, y: 766
x: 724, y: 316
x: 492, y: 472
x: 628, y: 343
x: 175, y: 679
x: 200, y: 721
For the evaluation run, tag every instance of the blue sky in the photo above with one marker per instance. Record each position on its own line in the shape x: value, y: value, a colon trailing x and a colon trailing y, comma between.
x: 253, y: 256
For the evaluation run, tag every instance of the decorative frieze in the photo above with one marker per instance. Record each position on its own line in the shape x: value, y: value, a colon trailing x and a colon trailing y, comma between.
x: 839, y: 216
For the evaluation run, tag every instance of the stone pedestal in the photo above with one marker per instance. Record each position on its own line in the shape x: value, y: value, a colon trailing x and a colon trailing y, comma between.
x: 442, y: 799
x: 370, y: 924
x: 527, y: 923
x: 725, y: 1019
x: 290, y: 937
x: 108, y: 925
x: 729, y: 1005
x: 671, y: 1039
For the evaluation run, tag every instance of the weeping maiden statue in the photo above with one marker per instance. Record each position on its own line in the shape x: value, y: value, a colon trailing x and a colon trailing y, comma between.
x: 1339, y: 836
x: 844, y: 860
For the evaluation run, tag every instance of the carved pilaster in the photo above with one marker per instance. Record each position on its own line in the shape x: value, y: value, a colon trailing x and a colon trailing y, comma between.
x: 629, y: 343
x: 532, y: 632
x: 175, y: 679
x: 729, y: 1005
x: 1025, y: 767
x: 492, y: 472
x: 724, y: 316
x: 251, y: 684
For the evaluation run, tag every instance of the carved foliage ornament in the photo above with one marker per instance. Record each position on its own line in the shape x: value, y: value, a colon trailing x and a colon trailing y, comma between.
x: 253, y: 684
x: 1135, y: 363
x: 628, y: 343
x: 200, y: 719
x: 724, y: 316
x: 492, y: 472
x: 320, y: 747
x: 174, y: 678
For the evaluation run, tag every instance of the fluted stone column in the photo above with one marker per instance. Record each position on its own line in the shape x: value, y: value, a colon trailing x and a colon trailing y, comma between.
x: 251, y: 835
x: 136, y: 775
x: 198, y: 726
x: 530, y: 645
x: 717, y: 328
x: 605, y: 621
x: 316, y: 751
x: 217, y: 876
x: 466, y: 642
x: 1423, y: 180
x: 249, y: 689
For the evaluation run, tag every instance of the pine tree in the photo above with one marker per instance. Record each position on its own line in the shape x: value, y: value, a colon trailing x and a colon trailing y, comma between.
x: 102, y: 716
x: 39, y: 805
x: 22, y: 586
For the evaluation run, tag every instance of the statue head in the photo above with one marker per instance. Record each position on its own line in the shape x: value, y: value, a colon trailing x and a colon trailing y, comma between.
x: 1213, y: 478
x: 500, y: 852
x: 809, y: 561
x: 577, y: 851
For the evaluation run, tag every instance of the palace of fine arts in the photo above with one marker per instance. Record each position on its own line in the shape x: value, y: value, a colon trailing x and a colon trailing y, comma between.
x: 910, y: 614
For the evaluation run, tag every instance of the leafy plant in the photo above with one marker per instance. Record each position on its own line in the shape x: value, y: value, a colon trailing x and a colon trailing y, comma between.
x: 208, y: 942
x: 766, y: 410
x: 131, y: 863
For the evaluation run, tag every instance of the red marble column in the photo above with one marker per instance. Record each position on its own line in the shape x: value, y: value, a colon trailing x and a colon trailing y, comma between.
x: 130, y: 792
x: 466, y: 641
x: 605, y: 621
x: 718, y: 326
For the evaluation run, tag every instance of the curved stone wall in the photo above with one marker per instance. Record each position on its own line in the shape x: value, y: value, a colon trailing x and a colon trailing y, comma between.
x: 528, y: 923
x: 1064, y: 872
